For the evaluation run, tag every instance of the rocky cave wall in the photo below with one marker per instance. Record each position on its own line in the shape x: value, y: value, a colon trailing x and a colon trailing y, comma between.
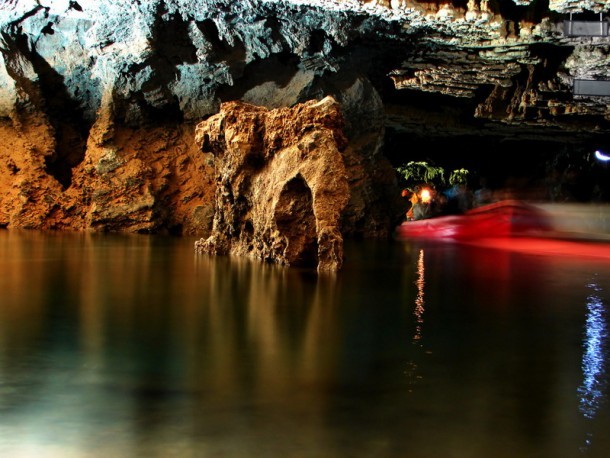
x: 99, y: 100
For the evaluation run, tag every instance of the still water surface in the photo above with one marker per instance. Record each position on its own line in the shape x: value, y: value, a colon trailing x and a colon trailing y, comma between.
x: 134, y: 346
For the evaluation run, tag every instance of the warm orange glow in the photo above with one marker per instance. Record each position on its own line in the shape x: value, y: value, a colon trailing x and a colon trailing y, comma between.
x: 425, y: 196
x: 419, y: 300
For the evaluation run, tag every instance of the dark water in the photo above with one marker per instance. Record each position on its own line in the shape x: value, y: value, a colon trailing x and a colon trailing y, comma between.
x: 133, y: 346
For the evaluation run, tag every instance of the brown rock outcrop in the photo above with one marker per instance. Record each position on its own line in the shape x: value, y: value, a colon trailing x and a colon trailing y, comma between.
x: 146, y: 180
x: 282, y: 183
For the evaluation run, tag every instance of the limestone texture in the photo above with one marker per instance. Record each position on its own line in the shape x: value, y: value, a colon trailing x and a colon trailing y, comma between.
x: 99, y: 99
x: 282, y: 183
x: 150, y: 180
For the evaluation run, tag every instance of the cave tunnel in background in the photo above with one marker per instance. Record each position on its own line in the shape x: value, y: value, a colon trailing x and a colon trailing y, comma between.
x: 526, y: 166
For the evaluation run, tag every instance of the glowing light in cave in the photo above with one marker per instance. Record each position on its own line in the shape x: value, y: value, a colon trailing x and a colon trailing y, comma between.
x: 425, y: 196
x: 601, y: 156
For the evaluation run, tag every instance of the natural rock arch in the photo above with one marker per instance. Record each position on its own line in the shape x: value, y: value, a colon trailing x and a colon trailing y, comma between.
x: 282, y: 183
x: 295, y: 219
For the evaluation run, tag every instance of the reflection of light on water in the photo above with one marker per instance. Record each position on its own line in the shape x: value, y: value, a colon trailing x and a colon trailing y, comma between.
x: 591, y: 391
x: 419, y: 300
x: 411, y: 371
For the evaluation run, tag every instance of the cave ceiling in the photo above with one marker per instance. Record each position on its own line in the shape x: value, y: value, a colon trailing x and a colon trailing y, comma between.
x: 487, y: 68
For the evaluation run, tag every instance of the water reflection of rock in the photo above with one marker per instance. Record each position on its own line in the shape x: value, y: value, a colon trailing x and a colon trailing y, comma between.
x: 288, y: 321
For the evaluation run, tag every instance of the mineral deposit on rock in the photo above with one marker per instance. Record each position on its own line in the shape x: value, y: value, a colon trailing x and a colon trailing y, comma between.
x: 281, y: 181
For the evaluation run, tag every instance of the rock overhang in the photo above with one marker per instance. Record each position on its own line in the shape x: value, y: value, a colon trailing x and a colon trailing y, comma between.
x: 181, y: 55
x: 84, y: 70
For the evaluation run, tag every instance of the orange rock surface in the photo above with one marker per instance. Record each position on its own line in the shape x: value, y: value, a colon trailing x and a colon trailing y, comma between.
x: 144, y: 180
x: 282, y: 183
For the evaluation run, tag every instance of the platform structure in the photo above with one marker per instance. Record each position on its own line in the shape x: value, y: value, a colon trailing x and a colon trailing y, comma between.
x: 591, y: 88
x: 580, y: 28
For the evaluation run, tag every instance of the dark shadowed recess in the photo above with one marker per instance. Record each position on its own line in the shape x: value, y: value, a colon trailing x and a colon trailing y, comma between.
x: 66, y: 115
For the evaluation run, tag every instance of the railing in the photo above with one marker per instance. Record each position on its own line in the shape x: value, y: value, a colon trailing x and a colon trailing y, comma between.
x: 594, y: 88
x: 573, y: 28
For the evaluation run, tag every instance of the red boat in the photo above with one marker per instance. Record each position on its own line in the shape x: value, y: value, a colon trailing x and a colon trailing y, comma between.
x: 507, y: 218
x: 507, y: 225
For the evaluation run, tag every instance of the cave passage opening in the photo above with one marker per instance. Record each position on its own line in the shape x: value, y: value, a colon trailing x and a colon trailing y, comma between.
x: 296, y: 221
x: 523, y: 168
x: 527, y: 161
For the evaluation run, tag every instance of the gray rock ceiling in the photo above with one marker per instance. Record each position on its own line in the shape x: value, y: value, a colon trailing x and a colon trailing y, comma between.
x: 457, y: 69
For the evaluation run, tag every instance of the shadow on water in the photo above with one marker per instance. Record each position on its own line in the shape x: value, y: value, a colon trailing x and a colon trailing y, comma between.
x: 115, y: 345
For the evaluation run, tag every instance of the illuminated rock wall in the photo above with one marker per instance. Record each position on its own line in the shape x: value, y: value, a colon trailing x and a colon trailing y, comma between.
x: 99, y: 99
x: 282, y: 183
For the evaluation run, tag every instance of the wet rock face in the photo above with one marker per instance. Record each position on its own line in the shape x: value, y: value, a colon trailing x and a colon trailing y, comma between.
x: 180, y: 59
x: 282, y: 183
x: 150, y: 180
x: 98, y: 99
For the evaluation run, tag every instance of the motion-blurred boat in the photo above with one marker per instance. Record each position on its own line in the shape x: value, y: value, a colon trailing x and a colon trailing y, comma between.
x: 507, y: 218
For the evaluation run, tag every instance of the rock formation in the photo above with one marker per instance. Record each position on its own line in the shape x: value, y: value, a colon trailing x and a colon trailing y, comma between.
x: 99, y: 99
x: 148, y: 180
x: 282, y: 183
